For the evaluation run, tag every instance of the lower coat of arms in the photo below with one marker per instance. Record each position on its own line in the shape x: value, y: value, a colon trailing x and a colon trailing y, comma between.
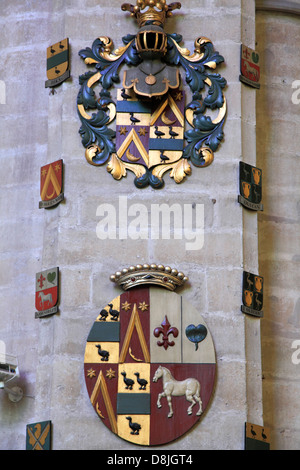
x: 149, y: 361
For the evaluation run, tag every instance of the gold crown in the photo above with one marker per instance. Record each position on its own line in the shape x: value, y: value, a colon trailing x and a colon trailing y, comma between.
x: 154, y: 11
x: 155, y: 274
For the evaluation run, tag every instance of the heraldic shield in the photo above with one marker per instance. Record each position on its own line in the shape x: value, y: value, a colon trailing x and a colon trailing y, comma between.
x: 57, y: 63
x: 46, y: 292
x: 150, y: 133
x: 250, y: 187
x: 51, y: 184
x: 149, y: 366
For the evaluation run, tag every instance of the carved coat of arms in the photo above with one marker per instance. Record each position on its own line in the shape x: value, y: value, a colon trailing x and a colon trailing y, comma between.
x: 149, y: 361
x: 149, y: 137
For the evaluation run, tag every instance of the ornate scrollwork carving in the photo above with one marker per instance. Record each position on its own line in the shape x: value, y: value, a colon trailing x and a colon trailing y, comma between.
x: 96, y: 112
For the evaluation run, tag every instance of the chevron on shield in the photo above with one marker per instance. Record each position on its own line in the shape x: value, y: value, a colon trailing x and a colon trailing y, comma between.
x: 130, y: 376
x: 150, y: 132
x: 51, y: 184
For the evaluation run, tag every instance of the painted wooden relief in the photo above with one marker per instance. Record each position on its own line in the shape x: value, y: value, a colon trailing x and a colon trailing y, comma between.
x: 256, y: 437
x: 253, y: 286
x: 57, y: 63
x: 250, y: 187
x: 51, y: 184
x: 38, y: 436
x: 250, y: 67
x: 149, y: 371
x: 151, y: 138
x: 46, y: 292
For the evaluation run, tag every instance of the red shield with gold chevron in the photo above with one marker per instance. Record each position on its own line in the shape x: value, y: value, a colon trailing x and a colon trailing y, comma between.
x: 149, y: 366
x: 51, y: 184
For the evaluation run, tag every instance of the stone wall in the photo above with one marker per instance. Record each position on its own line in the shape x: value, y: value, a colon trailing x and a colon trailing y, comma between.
x: 39, y: 128
x: 278, y: 155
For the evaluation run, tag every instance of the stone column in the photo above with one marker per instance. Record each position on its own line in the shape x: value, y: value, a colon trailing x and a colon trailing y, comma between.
x: 250, y: 230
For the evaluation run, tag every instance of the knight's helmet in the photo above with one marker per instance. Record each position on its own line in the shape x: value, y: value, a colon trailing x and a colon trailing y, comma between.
x: 151, y: 40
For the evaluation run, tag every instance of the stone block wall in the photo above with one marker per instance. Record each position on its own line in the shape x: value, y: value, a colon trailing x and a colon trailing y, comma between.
x: 278, y: 111
x: 39, y: 128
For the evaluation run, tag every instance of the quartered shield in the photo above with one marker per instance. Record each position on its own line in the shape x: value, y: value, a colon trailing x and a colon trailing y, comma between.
x: 250, y: 186
x: 149, y: 366
x: 150, y: 132
x: 252, y: 294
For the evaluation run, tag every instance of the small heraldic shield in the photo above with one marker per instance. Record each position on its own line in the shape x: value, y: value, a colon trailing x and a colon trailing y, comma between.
x: 149, y: 361
x: 250, y: 187
x: 256, y: 437
x: 250, y: 67
x: 57, y: 63
x: 51, y: 184
x: 252, y: 294
x: 38, y: 436
x: 46, y: 293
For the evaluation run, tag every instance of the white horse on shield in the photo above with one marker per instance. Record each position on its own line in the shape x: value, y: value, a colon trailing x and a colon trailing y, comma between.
x: 173, y: 388
x: 45, y: 298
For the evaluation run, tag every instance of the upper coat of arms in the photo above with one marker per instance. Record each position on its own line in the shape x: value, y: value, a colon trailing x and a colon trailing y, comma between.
x: 150, y: 112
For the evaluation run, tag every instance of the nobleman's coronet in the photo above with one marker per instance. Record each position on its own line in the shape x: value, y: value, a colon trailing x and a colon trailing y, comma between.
x: 149, y: 274
x: 151, y: 11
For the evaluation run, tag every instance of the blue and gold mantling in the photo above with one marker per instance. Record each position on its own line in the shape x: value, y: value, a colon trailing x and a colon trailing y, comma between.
x: 153, y: 59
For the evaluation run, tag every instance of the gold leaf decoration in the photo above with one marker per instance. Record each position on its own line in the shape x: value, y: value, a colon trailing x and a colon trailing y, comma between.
x: 116, y: 167
x: 181, y: 170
